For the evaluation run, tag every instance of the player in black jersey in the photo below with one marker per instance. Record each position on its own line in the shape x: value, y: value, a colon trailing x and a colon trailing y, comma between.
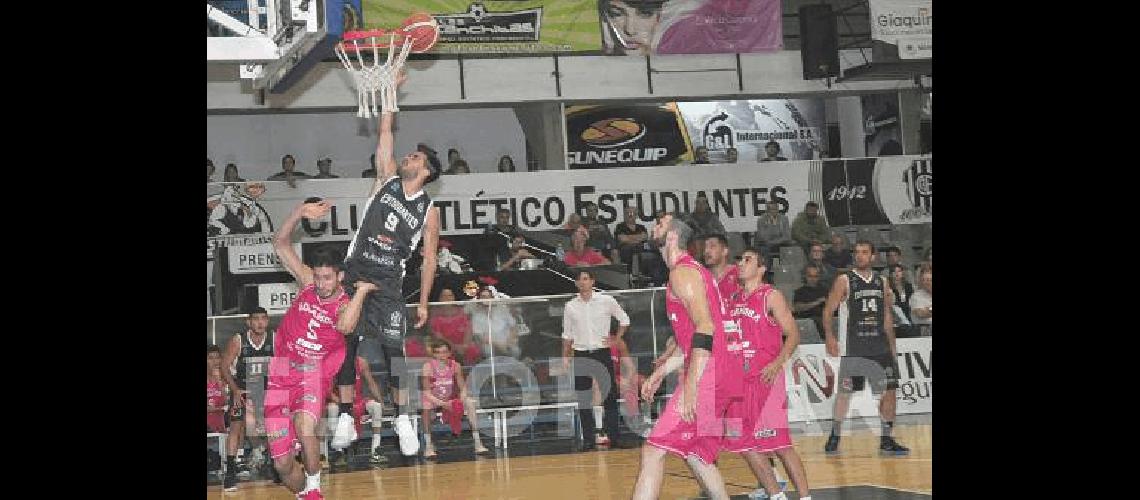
x: 397, y: 216
x: 866, y: 342
x: 249, y: 354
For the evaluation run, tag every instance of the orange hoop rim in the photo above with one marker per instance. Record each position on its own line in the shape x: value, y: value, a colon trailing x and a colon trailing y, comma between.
x: 380, y: 34
x: 384, y: 37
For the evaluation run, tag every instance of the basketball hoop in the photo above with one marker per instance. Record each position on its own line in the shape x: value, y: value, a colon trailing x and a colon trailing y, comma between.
x: 417, y: 34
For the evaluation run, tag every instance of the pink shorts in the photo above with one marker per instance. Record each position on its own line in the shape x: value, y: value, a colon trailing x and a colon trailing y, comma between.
x: 702, y: 437
x: 216, y: 421
x: 292, y: 392
x: 760, y: 422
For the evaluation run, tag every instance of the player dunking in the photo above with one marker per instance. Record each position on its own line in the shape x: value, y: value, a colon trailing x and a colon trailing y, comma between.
x: 866, y: 343
x: 762, y: 314
x: 398, y: 214
x: 309, y: 349
x: 692, y: 425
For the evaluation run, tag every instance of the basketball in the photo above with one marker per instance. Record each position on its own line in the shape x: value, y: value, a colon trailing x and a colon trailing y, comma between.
x: 424, y: 31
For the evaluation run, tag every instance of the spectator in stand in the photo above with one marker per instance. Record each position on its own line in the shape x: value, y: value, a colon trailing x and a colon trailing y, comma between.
x: 450, y: 322
x: 703, y: 219
x: 731, y: 155
x: 515, y: 253
x: 288, y: 172
x: 370, y: 173
x: 815, y: 256
x: 894, y: 256
x: 809, y: 226
x: 231, y: 174
x: 772, y: 152
x: 506, y: 164
x: 838, y: 256
x: 808, y: 300
x: 502, y: 224
x: 772, y: 231
x: 600, y: 237
x: 573, y: 221
x: 630, y: 236
x: 452, y: 157
x: 210, y: 170
x: 581, y: 255
x: 495, y: 325
x: 921, y: 303
x: 700, y: 155
x: 324, y: 169
x: 902, y: 290
x: 704, y: 222
x: 459, y: 168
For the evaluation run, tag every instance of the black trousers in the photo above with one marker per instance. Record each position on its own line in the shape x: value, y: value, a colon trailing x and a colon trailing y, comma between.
x: 584, y: 383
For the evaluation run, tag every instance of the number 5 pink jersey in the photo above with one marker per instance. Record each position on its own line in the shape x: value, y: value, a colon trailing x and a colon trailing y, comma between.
x: 307, y: 338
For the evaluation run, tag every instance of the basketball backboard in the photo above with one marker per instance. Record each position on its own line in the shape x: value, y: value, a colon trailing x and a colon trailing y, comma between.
x: 275, y: 42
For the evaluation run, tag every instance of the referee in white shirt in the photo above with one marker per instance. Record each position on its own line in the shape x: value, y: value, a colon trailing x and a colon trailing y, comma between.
x: 586, y: 334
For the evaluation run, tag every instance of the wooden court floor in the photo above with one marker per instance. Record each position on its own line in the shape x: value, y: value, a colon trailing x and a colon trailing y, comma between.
x: 611, y: 474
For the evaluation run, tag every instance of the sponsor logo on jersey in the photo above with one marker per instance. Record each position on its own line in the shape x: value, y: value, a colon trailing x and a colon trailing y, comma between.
x: 765, y: 433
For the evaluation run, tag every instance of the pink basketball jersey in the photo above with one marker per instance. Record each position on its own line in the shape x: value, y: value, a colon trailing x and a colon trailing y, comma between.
x: 729, y: 284
x: 215, y: 393
x: 726, y: 355
x: 762, y: 337
x: 308, y: 335
x: 442, y: 376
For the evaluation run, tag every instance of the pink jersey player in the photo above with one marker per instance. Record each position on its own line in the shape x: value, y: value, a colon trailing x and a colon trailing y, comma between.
x: 719, y: 386
x: 216, y: 398
x: 761, y: 421
x: 309, y: 351
x: 729, y: 283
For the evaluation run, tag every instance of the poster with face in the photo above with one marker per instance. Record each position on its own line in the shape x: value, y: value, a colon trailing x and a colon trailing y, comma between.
x: 642, y: 27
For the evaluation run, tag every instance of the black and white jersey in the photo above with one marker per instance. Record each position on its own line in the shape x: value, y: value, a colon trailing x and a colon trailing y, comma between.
x: 253, y: 360
x: 861, y: 317
x: 392, y: 227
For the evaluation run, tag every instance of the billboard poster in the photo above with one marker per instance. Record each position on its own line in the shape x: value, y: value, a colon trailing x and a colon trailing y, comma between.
x: 624, y: 136
x: 745, y: 130
x: 644, y: 27
x: 498, y: 26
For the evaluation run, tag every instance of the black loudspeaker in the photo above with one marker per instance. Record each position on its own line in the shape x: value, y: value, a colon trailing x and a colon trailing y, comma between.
x: 819, y: 41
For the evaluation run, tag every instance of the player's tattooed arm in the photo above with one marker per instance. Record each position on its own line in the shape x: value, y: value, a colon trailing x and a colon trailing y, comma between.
x: 889, y: 317
x: 838, y: 294
x: 233, y: 348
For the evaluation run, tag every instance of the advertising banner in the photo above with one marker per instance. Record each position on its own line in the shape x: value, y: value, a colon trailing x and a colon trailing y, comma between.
x: 498, y: 26
x: 909, y: 24
x: 643, y: 27
x: 624, y: 136
x: 812, y: 382
x: 747, y: 126
x: 892, y: 190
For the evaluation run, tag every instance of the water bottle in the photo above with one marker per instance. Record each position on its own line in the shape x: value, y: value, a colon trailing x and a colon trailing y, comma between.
x: 560, y: 252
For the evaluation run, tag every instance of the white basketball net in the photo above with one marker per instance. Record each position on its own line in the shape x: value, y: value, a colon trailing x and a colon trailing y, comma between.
x: 372, y: 78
